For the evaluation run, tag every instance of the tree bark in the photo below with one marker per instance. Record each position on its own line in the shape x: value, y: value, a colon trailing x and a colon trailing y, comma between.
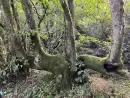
x: 8, y: 15
x: 68, y: 8
x: 2, y: 56
x: 10, y: 28
x: 118, y: 31
x: 27, y: 7
x: 15, y: 14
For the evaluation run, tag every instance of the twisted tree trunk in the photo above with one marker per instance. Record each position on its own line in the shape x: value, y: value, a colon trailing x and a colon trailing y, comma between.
x: 40, y: 59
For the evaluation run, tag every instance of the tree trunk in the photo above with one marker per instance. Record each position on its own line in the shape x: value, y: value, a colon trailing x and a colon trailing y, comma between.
x: 8, y: 15
x: 98, y: 64
x: 2, y: 55
x: 113, y: 63
x: 15, y: 14
x: 27, y: 7
x: 10, y: 27
x: 40, y: 59
x: 118, y: 31
x: 68, y: 8
x: 102, y: 65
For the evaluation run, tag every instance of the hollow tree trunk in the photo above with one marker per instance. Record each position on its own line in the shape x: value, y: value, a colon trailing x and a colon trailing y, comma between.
x: 118, y: 31
x: 102, y: 65
x: 97, y: 64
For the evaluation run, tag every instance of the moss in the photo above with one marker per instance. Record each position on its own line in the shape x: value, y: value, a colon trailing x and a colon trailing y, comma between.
x: 93, y: 62
x: 99, y: 64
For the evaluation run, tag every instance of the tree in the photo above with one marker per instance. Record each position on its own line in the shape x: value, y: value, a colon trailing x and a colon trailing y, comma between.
x: 113, y: 63
x: 8, y: 18
x: 118, y: 31
x: 68, y: 8
x: 41, y: 60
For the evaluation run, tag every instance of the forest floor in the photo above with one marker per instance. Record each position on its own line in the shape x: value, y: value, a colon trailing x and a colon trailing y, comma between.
x: 34, y: 86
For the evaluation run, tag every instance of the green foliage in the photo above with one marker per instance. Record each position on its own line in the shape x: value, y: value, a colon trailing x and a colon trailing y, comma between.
x: 126, y: 5
x: 45, y: 37
x: 80, y: 75
x: 87, y: 39
x: 42, y: 90
x: 92, y: 10
x: 12, y: 69
x: 80, y: 91
x: 47, y: 90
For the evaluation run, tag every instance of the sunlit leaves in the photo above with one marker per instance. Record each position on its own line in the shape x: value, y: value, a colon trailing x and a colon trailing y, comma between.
x: 92, y: 10
x: 19, y: 7
x: 126, y: 5
x: 4, y: 52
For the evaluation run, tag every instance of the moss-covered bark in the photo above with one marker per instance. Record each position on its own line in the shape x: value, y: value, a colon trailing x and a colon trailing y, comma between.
x: 14, y: 48
x: 39, y: 59
x: 56, y: 64
x: 98, y: 64
x: 93, y: 62
x: 2, y: 54
x: 15, y: 14
x: 7, y: 12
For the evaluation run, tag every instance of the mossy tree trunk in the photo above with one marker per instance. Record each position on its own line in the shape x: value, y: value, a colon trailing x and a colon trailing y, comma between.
x: 15, y: 14
x: 7, y: 14
x: 2, y: 56
x: 39, y: 59
x: 113, y: 63
x: 8, y: 18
